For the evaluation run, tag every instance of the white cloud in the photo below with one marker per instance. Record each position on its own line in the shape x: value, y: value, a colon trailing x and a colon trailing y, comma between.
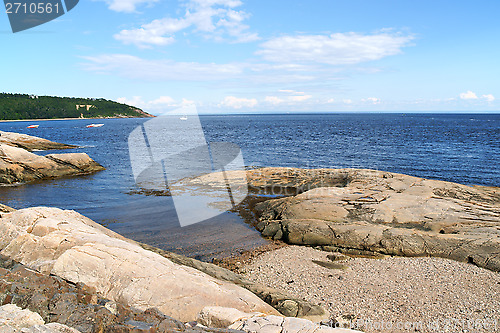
x: 238, y: 103
x: 187, y: 102
x: 166, y: 100
x: 468, y: 95
x: 274, y: 100
x: 489, y: 97
x: 155, y: 106
x: 215, y: 19
x: 160, y: 102
x: 163, y: 69
x: 296, y: 96
x: 334, y: 49
x: 158, y: 32
x: 347, y: 101
x: 134, y: 101
x: 134, y: 67
x: 373, y: 100
x: 127, y: 6
x: 290, y: 91
x: 299, y: 98
x: 330, y: 100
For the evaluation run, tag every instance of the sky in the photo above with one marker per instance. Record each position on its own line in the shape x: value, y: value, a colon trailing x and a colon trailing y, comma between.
x: 254, y: 56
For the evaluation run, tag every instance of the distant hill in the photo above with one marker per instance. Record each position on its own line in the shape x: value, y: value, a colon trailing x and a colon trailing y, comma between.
x: 23, y: 106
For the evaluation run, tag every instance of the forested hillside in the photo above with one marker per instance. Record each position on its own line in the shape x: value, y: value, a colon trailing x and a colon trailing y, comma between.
x: 23, y: 106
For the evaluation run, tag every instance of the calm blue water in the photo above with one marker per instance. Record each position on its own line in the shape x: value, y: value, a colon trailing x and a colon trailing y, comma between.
x: 457, y: 148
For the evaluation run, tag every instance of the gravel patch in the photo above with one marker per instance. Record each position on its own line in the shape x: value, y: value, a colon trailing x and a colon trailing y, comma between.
x: 394, y: 294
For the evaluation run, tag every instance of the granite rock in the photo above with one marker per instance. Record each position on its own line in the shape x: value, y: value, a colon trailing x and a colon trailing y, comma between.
x: 19, y: 165
x: 259, y: 322
x: 75, y: 248
x: 286, y: 304
x: 375, y: 211
x: 75, y: 305
x: 14, y: 319
x: 29, y: 142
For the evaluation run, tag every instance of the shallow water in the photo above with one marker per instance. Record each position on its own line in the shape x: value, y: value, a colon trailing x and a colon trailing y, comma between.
x: 458, y: 148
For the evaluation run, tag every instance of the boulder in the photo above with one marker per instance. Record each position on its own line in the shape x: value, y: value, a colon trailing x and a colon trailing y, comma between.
x: 29, y: 142
x: 259, y: 322
x: 220, y: 317
x: 73, y: 247
x: 19, y: 165
x: 14, y: 319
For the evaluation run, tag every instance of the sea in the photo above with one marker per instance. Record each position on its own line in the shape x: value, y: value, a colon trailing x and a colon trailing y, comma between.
x: 461, y: 148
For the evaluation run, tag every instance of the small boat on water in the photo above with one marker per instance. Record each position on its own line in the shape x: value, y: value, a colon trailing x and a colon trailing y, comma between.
x: 33, y: 126
x: 94, y: 125
x: 184, y: 118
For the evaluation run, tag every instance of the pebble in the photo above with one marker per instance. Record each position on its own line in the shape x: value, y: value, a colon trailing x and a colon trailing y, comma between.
x: 425, y: 294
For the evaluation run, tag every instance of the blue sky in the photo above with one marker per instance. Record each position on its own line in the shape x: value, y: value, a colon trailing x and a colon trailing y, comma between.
x: 263, y: 56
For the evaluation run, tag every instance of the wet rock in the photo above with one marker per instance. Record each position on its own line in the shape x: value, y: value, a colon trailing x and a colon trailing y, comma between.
x: 6, y: 209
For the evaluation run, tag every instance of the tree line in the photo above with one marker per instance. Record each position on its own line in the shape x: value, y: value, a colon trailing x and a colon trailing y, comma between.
x: 24, y: 106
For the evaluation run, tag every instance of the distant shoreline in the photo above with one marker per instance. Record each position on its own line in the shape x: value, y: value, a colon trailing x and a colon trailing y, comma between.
x: 13, y: 120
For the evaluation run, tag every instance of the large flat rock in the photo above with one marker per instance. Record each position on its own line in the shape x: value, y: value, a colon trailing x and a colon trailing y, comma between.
x: 19, y: 165
x: 71, y: 246
x: 30, y: 142
x: 369, y: 210
x: 383, y: 212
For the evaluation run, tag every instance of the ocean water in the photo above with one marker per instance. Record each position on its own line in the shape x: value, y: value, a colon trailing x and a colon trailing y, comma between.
x: 462, y: 148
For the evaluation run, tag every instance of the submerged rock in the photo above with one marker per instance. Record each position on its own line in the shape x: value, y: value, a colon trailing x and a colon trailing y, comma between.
x: 75, y: 248
x: 19, y: 165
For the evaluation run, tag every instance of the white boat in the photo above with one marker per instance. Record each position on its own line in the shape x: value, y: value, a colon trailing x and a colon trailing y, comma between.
x: 95, y: 125
x: 184, y: 118
x: 33, y: 126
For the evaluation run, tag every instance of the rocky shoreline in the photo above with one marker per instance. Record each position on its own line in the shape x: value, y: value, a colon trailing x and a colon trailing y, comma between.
x: 60, y: 268
x: 51, y: 255
x: 19, y: 165
x: 368, y: 211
